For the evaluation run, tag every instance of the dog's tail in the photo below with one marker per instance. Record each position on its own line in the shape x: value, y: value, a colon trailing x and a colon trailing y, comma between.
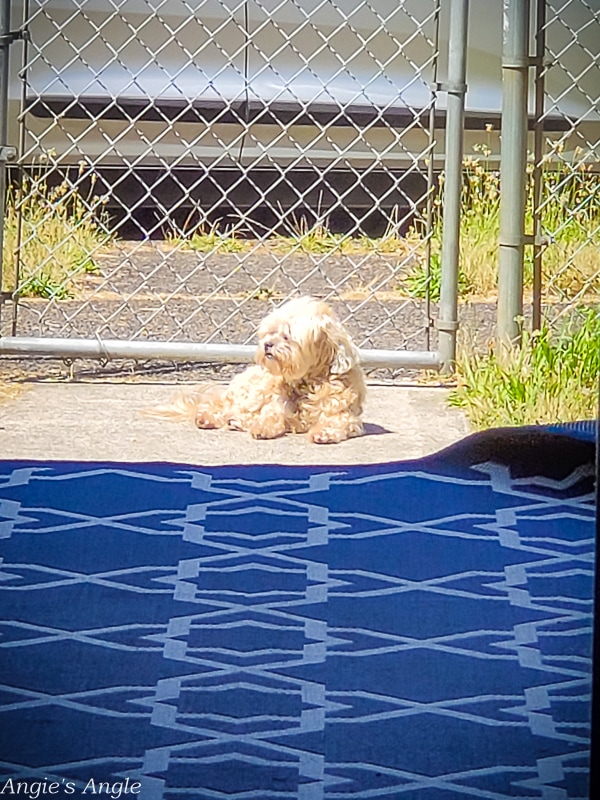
x: 184, y: 406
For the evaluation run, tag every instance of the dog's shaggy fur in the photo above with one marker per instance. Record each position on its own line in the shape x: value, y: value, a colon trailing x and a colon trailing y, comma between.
x: 306, y: 379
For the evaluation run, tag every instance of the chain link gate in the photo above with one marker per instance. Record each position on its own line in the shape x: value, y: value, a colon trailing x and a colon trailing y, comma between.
x: 565, y: 268
x: 184, y: 164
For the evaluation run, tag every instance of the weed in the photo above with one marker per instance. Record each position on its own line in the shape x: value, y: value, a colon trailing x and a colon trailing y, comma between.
x: 570, y: 223
x: 209, y: 239
x: 204, y: 236
x: 314, y: 239
x: 44, y: 285
x: 569, y: 217
x: 419, y: 283
x: 263, y: 293
x: 51, y: 233
x: 392, y: 240
x: 551, y: 378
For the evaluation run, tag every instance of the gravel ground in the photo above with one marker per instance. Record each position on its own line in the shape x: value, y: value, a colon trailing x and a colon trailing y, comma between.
x: 153, y: 291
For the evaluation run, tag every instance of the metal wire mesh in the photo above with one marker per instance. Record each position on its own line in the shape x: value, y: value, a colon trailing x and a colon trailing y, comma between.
x: 183, y: 163
x: 566, y: 268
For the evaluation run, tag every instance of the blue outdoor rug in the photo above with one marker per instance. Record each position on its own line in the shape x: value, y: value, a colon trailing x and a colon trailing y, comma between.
x: 416, y: 630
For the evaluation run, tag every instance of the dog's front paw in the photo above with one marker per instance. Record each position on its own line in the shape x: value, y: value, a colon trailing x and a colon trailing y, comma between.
x: 328, y: 431
x: 266, y: 432
x: 321, y: 434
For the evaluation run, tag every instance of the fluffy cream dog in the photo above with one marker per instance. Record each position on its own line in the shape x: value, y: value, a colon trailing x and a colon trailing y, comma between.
x: 306, y: 379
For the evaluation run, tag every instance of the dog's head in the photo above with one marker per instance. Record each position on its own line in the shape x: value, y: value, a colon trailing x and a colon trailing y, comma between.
x: 304, y: 338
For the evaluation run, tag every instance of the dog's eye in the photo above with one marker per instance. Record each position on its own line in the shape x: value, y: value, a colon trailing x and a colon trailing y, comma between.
x: 285, y: 337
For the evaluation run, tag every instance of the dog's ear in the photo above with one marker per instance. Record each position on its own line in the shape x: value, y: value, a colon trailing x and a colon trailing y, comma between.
x: 345, y: 354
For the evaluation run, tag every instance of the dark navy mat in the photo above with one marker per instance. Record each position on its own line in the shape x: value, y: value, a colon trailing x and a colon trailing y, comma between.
x: 408, y: 630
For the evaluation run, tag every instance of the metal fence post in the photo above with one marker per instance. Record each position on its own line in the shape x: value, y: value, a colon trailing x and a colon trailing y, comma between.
x: 456, y: 89
x: 5, y: 41
x: 538, y: 144
x: 7, y: 153
x: 513, y: 175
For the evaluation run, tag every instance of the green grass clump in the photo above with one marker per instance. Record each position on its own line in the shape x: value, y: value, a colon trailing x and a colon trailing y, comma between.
x: 314, y: 239
x: 479, y: 228
x: 51, y: 234
x: 205, y: 238
x: 550, y: 379
x: 570, y: 222
x: 418, y: 283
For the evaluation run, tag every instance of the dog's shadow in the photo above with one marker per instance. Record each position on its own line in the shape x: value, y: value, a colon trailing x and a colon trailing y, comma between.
x: 371, y: 429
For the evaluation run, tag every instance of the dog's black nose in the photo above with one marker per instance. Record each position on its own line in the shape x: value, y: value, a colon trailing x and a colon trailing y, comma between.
x: 268, y: 346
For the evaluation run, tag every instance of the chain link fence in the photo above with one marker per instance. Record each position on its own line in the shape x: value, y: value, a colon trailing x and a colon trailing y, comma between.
x: 565, y: 269
x: 183, y: 164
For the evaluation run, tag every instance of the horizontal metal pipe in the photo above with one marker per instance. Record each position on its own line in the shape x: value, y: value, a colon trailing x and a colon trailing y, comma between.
x: 407, y: 359
x: 112, y: 349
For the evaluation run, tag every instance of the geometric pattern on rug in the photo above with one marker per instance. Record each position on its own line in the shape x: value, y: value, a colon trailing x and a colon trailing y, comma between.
x: 406, y: 630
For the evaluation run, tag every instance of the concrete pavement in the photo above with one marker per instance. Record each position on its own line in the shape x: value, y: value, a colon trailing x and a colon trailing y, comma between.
x: 102, y: 421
